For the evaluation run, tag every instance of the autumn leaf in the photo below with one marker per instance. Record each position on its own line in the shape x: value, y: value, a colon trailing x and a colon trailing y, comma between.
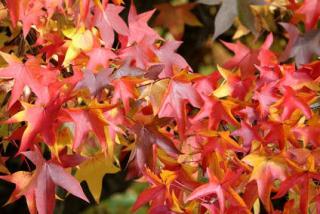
x: 309, y: 134
x: 147, y: 136
x: 154, y: 92
x: 232, y: 85
x: 220, y: 142
x: 311, y: 11
x: 221, y: 189
x: 302, y: 179
x: 291, y: 102
x: 216, y: 111
x: 175, y: 17
x: 168, y: 56
x: 29, y: 12
x: 81, y: 40
x: 246, y: 58
x: 265, y: 171
x: 266, y: 96
x: 157, y: 193
x: 248, y: 134
x: 138, y: 26
x: 99, y: 58
x: 22, y: 180
x: 86, y: 120
x: 39, y: 187
x: 141, y: 54
x: 25, y: 74
x: 228, y: 12
x: 118, y: 2
x: 107, y: 19
x: 125, y: 90
x: 174, y: 104
x: 41, y: 120
x: 14, y: 10
x: 3, y: 168
x: 93, y: 169
x: 301, y: 47
x: 95, y: 82
x: 89, y: 85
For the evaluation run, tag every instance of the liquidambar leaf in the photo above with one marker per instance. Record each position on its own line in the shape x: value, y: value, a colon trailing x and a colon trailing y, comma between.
x: 92, y: 171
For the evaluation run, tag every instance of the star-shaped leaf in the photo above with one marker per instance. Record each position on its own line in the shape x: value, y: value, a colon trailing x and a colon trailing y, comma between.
x: 265, y: 171
x: 92, y: 171
x: 39, y: 187
x: 175, y: 17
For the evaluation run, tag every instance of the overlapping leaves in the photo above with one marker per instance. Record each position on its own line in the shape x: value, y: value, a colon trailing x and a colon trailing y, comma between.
x: 100, y: 89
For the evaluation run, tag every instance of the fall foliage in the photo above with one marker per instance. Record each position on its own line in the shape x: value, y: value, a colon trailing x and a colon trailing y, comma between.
x: 89, y: 88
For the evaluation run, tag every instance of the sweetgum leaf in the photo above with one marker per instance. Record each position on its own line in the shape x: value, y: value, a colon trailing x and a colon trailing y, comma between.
x: 99, y: 58
x: 301, y: 47
x: 92, y: 171
x: 85, y: 120
x: 27, y: 74
x: 22, y: 180
x: 146, y: 137
x: 246, y: 58
x: 138, y: 26
x: 228, y: 12
x: 168, y: 56
x: 311, y: 11
x: 222, y: 190
x: 41, y: 120
x: 39, y: 187
x: 107, y: 19
x: 175, y: 17
x: 265, y: 171
x: 302, y: 179
x: 174, y: 104
x: 95, y: 82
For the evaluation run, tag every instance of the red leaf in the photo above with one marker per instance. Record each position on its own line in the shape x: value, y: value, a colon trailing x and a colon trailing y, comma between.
x: 147, y: 196
x: 86, y: 120
x: 174, y: 103
x: 301, y: 179
x: 41, y: 120
x: 125, y: 89
x: 291, y: 102
x: 27, y: 74
x: 39, y: 188
x: 108, y: 20
x: 311, y: 11
x: 248, y: 134
x: 138, y: 26
x: 245, y: 58
x: 168, y: 56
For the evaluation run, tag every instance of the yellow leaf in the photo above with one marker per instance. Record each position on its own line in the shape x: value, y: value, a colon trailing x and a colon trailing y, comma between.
x: 224, y: 72
x: 176, y: 204
x: 81, y: 40
x: 223, y: 91
x: 256, y: 207
x: 92, y: 171
x: 168, y: 176
x: 64, y: 138
x: 266, y: 170
x: 241, y: 30
x: 154, y: 93
x: 71, y: 54
x: 69, y: 32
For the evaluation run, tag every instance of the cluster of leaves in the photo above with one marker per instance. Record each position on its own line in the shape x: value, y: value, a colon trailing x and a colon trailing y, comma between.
x: 92, y: 90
